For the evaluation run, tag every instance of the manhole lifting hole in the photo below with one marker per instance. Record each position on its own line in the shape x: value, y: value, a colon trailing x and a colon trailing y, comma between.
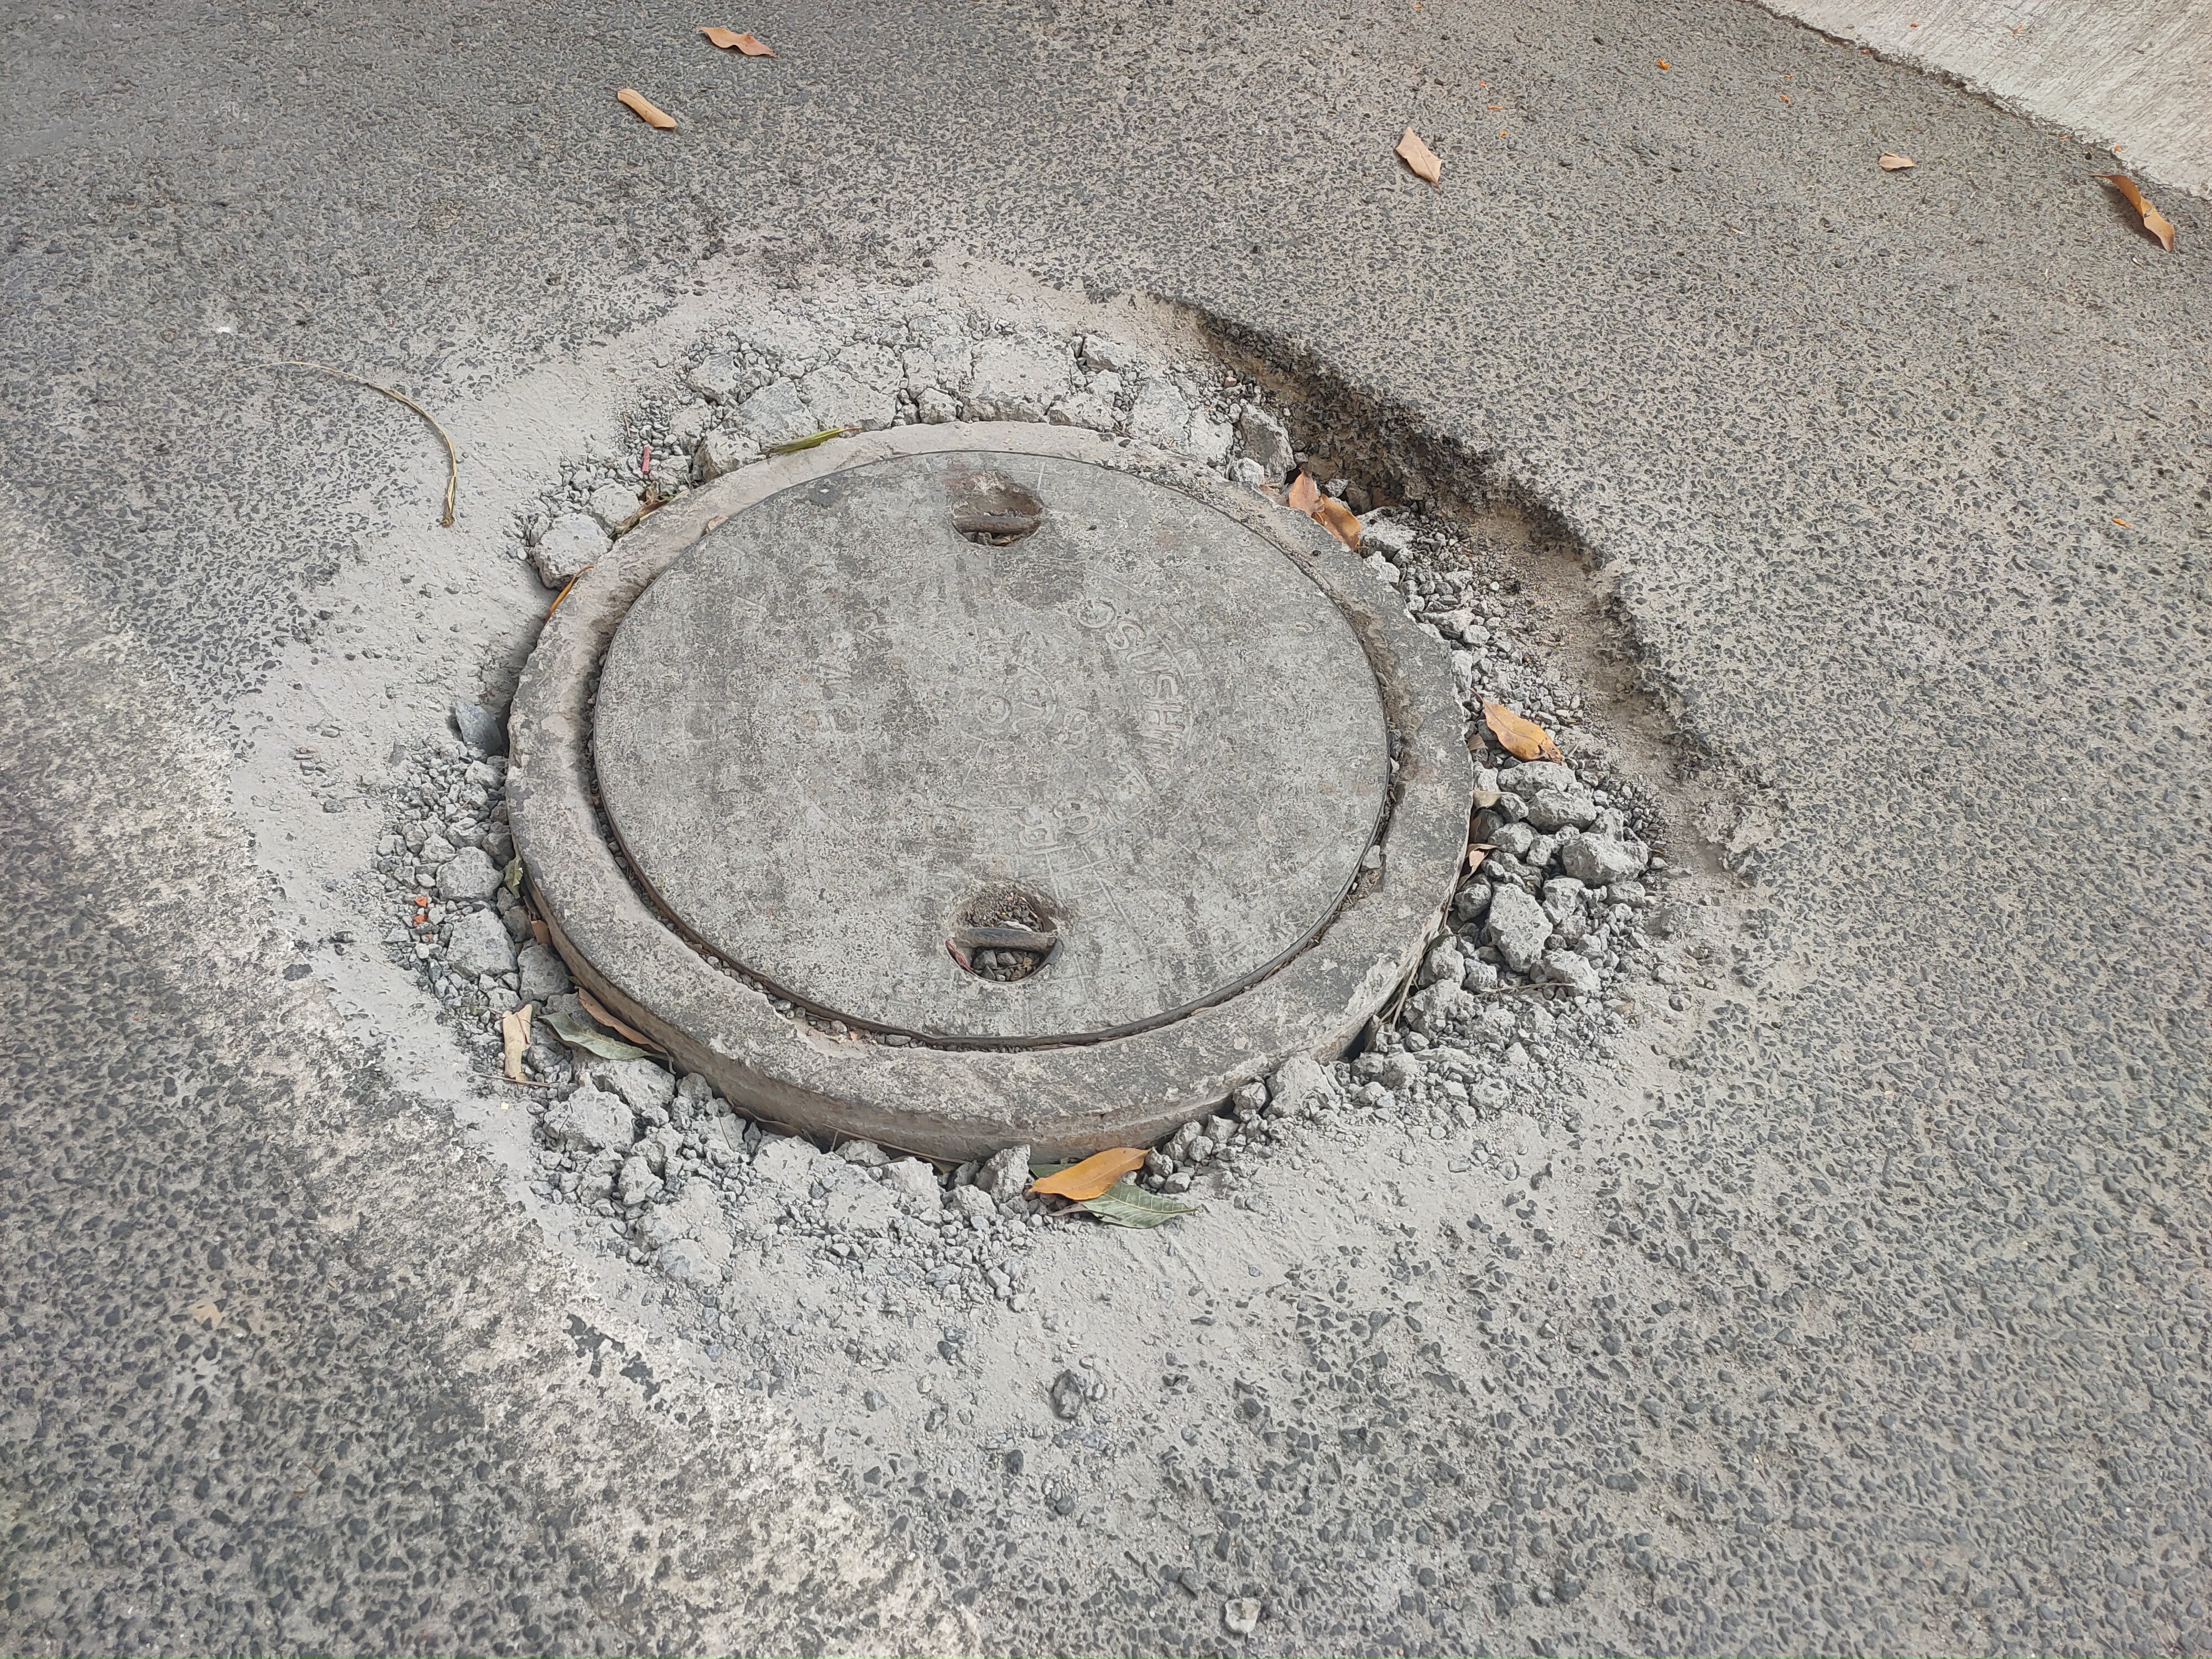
x: 1066, y: 794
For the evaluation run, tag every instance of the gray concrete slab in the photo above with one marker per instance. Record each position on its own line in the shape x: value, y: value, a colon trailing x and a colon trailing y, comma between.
x: 1896, y: 481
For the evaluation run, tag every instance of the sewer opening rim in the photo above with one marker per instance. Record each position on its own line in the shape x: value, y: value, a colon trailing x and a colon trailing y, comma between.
x: 942, y: 1101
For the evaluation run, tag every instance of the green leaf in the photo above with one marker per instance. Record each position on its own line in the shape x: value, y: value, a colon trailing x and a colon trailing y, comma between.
x: 515, y: 874
x: 1125, y: 1203
x: 809, y: 441
x: 577, y: 1035
x: 1039, y: 1171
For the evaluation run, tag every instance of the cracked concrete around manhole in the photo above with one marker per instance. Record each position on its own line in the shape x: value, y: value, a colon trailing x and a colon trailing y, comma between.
x: 922, y: 1347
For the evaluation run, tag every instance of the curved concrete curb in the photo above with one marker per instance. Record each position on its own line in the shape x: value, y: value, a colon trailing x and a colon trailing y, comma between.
x: 961, y: 1103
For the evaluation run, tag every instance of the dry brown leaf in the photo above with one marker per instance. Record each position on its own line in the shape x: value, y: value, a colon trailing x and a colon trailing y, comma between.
x: 1893, y: 162
x: 1521, y: 737
x: 647, y: 112
x: 1419, y: 157
x: 204, y: 1312
x: 513, y: 1038
x: 729, y: 41
x: 2153, y: 221
x: 1305, y: 493
x: 1475, y: 856
x: 591, y: 1005
x: 1093, y: 1175
x: 540, y: 931
x: 1336, y: 518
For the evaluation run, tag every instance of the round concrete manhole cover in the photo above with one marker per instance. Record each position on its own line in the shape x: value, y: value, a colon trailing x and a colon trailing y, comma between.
x: 991, y: 749
x: 957, y: 787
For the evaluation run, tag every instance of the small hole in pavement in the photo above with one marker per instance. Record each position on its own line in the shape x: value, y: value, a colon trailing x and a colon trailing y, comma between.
x: 992, y: 510
x: 1003, y: 936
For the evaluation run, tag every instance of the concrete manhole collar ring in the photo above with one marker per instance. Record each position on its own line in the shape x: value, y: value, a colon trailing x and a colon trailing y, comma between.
x: 1058, y: 785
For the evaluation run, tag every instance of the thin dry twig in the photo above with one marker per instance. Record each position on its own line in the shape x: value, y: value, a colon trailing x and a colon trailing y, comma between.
x: 452, y: 455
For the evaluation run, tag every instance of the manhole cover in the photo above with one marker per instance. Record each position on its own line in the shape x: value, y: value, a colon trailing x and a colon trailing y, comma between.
x: 863, y: 747
x: 1060, y: 801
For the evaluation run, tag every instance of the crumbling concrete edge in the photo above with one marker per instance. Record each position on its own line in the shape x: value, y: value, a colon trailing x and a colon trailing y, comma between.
x: 952, y: 1105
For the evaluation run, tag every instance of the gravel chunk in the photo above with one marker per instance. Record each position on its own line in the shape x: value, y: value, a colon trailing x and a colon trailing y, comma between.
x: 716, y: 379
x: 722, y: 452
x: 970, y: 1200
x: 1534, y: 777
x: 1559, y: 809
x: 1444, y: 963
x: 775, y: 414
x: 790, y: 1162
x: 542, y: 973
x: 613, y: 506
x: 1601, y: 861
x: 574, y: 545
x: 637, y: 1182
x: 1565, y: 968
x: 1519, y: 929
x: 1006, y: 1175
x: 1261, y: 437
x: 916, y: 1182
x: 590, y: 1121
x: 639, y: 1082
x: 479, y: 945
x: 469, y: 875
x: 480, y: 728
x: 1298, y: 1083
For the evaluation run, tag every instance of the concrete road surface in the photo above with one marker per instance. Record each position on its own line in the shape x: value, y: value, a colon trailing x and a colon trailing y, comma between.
x: 1874, y: 1314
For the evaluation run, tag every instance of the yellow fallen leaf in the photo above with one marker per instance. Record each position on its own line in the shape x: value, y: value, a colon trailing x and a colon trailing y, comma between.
x: 1663, y: 63
x: 1893, y: 162
x: 1305, y: 493
x: 1337, y: 518
x: 2153, y: 221
x: 1419, y: 157
x: 1093, y: 1176
x: 729, y: 41
x: 1521, y: 737
x: 513, y: 1038
x: 591, y: 1005
x: 647, y: 112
